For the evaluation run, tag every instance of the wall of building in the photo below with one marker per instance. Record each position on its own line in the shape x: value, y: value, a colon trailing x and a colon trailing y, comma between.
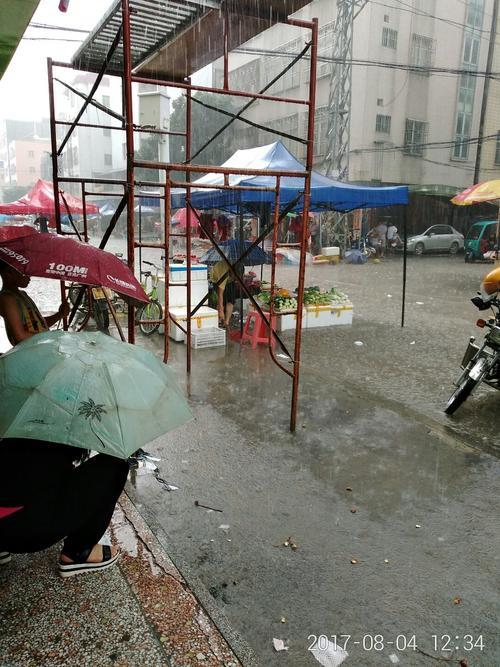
x: 414, y: 107
x: 490, y: 154
x: 26, y: 160
x: 91, y: 152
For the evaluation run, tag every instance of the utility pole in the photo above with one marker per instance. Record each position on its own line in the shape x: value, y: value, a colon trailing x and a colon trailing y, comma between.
x: 339, y: 104
x: 486, y: 89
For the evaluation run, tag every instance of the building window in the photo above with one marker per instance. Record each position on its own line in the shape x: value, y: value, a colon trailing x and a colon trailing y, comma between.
x: 31, y: 154
x: 106, y: 100
x: 106, y: 132
x: 422, y: 51
x: 32, y: 170
x: 462, y: 135
x: 389, y: 38
x: 415, y: 137
x: 475, y: 14
x: 472, y: 44
x: 497, y: 151
x: 386, y: 18
x: 383, y: 124
x: 380, y: 101
x: 124, y: 151
x: 108, y: 159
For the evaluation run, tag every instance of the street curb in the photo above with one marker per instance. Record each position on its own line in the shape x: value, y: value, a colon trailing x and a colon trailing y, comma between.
x: 181, y: 576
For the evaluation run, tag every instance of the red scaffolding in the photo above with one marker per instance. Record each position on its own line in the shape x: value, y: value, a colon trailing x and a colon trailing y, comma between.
x: 124, y: 22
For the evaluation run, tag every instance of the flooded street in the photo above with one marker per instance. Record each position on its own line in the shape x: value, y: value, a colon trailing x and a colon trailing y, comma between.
x: 388, y: 501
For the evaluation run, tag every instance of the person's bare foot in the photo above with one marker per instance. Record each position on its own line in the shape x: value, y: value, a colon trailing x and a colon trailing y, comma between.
x: 96, y: 555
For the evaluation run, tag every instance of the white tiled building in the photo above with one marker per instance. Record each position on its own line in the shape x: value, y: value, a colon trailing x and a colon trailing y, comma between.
x: 394, y: 111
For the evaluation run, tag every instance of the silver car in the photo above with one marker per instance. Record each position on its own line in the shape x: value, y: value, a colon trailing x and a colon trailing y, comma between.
x: 438, y: 238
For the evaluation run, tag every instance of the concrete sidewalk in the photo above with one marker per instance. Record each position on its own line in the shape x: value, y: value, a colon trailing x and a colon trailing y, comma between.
x: 140, y: 613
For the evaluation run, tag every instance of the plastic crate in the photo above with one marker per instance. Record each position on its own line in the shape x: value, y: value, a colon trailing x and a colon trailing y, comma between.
x: 209, y: 337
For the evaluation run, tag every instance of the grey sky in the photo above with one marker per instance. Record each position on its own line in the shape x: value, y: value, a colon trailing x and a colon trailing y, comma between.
x: 23, y: 88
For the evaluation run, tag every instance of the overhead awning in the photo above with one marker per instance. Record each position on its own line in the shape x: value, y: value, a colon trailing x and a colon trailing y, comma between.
x: 14, y: 19
x: 172, y: 39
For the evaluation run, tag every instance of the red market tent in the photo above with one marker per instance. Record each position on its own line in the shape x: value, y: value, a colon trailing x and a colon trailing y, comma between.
x: 180, y: 217
x: 40, y: 200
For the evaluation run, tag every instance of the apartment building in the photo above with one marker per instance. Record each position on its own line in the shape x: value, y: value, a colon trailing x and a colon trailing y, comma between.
x: 91, y: 151
x: 489, y: 167
x: 22, y: 149
x: 407, y: 126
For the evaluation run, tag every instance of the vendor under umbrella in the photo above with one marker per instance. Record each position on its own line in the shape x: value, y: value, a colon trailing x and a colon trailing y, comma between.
x: 228, y: 289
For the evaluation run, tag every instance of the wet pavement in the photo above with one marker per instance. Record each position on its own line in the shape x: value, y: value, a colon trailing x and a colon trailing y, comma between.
x: 372, y: 438
x: 138, y: 613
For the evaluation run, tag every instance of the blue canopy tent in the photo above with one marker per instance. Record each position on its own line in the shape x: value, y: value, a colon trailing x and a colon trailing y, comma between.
x: 326, y: 194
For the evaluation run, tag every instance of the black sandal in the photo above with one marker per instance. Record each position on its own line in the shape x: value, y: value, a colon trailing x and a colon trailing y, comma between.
x: 80, y: 564
x: 5, y: 557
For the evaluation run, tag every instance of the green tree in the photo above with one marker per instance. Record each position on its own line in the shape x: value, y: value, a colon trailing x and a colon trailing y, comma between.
x: 148, y: 151
x: 205, y: 123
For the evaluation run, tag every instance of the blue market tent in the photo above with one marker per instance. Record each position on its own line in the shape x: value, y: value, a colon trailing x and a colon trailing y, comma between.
x: 325, y: 192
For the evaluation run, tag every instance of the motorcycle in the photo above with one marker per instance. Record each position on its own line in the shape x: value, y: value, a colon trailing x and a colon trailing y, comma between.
x: 91, y: 303
x: 481, y: 363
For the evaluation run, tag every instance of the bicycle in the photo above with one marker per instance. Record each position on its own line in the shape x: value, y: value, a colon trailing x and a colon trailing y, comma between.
x: 93, y: 303
x: 152, y: 310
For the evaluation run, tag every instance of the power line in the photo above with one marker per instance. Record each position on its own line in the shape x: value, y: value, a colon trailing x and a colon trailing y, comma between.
x: 417, y: 69
x: 420, y: 12
x: 46, y: 26
x: 427, y: 145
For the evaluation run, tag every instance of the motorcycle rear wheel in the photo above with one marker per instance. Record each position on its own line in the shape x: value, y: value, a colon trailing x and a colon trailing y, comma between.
x: 460, y: 395
x: 101, y: 315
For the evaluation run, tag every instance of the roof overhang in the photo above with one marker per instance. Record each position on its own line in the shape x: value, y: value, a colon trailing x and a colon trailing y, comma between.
x: 14, y: 19
x: 172, y: 39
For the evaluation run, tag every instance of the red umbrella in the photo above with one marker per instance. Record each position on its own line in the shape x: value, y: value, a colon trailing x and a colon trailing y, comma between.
x: 180, y: 218
x: 52, y: 256
x: 40, y: 199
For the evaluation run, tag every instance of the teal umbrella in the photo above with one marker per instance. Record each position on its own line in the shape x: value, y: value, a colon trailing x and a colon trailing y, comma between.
x: 87, y: 390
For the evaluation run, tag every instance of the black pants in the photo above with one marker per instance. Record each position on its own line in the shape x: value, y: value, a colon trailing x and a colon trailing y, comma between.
x: 59, y: 500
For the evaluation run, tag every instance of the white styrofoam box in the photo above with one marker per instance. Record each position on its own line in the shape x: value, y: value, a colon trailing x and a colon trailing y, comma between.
x: 203, y: 318
x: 178, y: 272
x: 327, y: 316
x: 177, y: 294
x: 288, y: 321
x: 209, y: 337
x: 330, y: 251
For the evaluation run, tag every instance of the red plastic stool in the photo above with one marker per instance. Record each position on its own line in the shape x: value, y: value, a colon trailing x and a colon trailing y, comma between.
x: 256, y: 330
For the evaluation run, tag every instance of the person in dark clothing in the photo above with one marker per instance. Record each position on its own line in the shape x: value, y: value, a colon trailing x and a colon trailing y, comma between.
x: 45, y: 498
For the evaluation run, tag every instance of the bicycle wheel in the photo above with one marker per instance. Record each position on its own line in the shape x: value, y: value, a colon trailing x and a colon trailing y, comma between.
x: 150, y: 311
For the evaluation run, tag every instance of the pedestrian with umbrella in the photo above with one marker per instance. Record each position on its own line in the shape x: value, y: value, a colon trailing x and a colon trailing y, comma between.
x: 62, y: 258
x: 20, y: 313
x: 63, y: 393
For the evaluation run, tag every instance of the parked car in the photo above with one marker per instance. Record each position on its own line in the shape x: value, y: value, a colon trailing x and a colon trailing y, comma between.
x: 479, y: 231
x: 438, y: 238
